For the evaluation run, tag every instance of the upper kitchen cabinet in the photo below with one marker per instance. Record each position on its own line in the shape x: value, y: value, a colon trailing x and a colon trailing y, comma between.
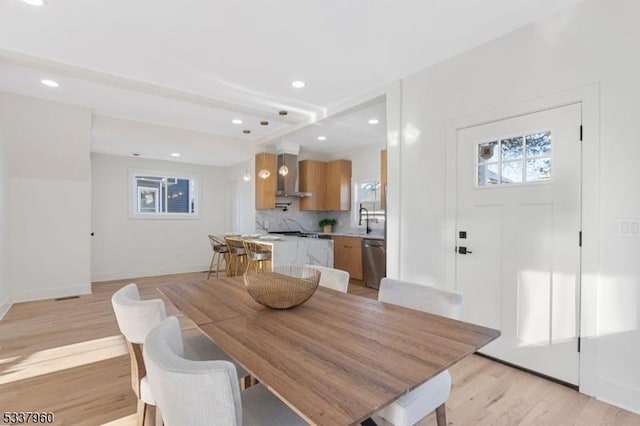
x: 329, y: 184
x: 338, y: 196
x: 312, y: 178
x: 265, y: 188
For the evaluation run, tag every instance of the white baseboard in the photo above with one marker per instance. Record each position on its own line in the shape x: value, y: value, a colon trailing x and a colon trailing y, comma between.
x: 619, y: 395
x: 51, y: 293
x: 4, y: 307
x: 111, y: 276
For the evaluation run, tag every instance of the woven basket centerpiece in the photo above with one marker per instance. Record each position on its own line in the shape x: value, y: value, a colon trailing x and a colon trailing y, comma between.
x: 284, y: 287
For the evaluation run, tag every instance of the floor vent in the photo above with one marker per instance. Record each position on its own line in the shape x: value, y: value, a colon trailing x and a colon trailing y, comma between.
x: 66, y: 298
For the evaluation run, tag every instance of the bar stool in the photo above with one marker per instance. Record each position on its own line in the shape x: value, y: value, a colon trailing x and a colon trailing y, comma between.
x: 257, y: 255
x: 237, y: 256
x: 220, y: 251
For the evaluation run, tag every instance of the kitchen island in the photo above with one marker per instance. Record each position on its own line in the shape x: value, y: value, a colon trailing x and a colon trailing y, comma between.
x: 293, y: 250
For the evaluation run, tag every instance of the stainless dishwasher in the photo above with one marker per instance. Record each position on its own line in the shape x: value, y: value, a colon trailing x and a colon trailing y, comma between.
x: 374, y: 261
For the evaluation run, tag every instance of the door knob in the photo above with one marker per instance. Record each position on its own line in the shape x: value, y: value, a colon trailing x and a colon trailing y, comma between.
x: 463, y: 250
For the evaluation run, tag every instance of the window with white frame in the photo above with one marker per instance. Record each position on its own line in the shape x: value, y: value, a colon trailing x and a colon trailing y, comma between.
x: 367, y: 202
x: 158, y: 194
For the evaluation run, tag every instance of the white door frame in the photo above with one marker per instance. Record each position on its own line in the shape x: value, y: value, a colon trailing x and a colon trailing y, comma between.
x: 589, y: 97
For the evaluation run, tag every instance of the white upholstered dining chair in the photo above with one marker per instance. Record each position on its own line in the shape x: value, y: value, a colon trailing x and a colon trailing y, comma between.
x: 205, y: 392
x: 136, y: 318
x: 334, y: 279
x: 433, y: 394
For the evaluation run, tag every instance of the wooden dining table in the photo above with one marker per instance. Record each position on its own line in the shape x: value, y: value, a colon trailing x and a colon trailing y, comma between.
x: 338, y: 358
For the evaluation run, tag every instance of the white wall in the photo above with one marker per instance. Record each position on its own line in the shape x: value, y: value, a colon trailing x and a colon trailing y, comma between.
x: 241, y: 203
x: 5, y: 291
x: 47, y: 150
x: 124, y: 247
x: 594, y: 42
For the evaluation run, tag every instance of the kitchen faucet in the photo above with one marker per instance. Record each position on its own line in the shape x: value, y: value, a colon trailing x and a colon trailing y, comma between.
x: 368, y: 228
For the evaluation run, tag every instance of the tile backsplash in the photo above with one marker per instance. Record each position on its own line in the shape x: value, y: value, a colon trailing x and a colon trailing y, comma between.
x: 294, y: 219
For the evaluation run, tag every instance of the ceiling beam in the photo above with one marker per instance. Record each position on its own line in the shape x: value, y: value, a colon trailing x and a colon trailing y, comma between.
x: 255, y: 105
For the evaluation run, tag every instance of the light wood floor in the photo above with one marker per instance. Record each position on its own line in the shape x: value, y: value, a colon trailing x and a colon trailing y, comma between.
x: 67, y: 357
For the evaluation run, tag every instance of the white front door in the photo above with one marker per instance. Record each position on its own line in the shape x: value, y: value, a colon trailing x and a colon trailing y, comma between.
x: 518, y: 224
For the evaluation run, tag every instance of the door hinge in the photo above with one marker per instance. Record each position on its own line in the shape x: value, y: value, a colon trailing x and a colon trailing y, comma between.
x: 579, y: 342
x: 580, y: 239
x: 581, y: 133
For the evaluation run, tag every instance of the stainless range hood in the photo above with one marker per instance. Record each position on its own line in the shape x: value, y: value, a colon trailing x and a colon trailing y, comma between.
x: 287, y: 186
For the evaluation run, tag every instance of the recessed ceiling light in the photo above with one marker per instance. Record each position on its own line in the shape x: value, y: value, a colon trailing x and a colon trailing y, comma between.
x: 283, y: 112
x: 35, y: 2
x: 135, y: 154
x: 374, y: 121
x: 236, y: 121
x: 322, y: 138
x: 246, y: 131
x: 264, y: 123
x: 50, y: 83
x: 298, y: 84
x: 175, y: 154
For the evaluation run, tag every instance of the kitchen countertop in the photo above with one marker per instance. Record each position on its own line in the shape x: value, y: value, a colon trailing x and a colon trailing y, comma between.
x: 331, y: 234
x: 353, y: 234
x: 279, y: 238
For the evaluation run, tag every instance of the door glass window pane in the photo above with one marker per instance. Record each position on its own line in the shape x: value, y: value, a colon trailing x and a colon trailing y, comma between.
x: 538, y: 144
x: 512, y: 148
x: 511, y: 172
x: 488, y: 152
x: 488, y: 174
x: 539, y: 170
x: 521, y: 159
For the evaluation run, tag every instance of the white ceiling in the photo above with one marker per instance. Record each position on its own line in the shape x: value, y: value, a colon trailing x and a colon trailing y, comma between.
x: 343, y: 131
x: 197, y: 64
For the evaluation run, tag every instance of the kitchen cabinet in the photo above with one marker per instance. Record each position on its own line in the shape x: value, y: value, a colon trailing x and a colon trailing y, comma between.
x: 265, y: 188
x: 383, y: 179
x: 312, y: 178
x: 330, y: 184
x: 347, y: 255
x: 338, y: 197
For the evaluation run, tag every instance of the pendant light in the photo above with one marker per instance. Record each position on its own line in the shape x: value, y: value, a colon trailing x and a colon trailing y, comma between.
x: 283, y: 170
x: 264, y: 173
